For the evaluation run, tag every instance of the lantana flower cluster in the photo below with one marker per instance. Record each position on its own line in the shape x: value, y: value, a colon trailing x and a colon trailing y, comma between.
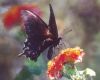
x: 69, y: 55
x: 13, y: 15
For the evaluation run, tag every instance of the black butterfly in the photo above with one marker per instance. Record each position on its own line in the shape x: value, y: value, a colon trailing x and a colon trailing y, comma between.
x: 40, y: 36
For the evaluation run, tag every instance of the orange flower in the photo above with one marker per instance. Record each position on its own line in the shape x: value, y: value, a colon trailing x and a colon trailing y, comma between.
x: 70, y: 55
x: 13, y: 16
x: 73, y: 55
x: 54, y: 69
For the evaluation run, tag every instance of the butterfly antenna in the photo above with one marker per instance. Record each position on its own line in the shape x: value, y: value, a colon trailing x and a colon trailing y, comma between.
x: 67, y: 30
x: 63, y: 44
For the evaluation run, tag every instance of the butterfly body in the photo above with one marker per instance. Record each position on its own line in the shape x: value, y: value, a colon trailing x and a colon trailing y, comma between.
x: 40, y: 36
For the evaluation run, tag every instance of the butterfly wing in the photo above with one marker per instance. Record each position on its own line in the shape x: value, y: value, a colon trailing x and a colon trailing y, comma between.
x: 52, y: 23
x: 54, y: 31
x: 38, y: 35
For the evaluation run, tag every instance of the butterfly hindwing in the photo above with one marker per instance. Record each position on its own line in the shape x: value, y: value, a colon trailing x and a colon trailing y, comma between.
x: 53, y: 29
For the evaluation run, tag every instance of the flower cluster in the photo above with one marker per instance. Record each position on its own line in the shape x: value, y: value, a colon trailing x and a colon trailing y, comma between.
x: 13, y: 15
x: 69, y: 55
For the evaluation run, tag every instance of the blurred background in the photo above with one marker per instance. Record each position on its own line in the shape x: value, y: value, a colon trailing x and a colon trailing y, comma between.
x: 82, y: 16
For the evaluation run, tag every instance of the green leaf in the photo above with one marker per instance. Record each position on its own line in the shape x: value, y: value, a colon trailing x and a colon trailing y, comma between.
x: 69, y: 70
x: 24, y: 74
x: 37, y: 67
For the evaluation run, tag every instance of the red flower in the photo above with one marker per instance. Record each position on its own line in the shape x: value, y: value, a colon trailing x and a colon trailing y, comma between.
x: 74, y: 55
x: 13, y: 16
x: 70, y: 55
x: 54, y: 71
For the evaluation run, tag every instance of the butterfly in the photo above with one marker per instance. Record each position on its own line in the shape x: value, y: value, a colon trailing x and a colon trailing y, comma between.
x: 40, y: 36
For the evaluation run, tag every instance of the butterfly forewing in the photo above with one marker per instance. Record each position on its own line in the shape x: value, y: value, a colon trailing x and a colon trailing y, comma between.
x: 52, y: 23
x: 34, y: 24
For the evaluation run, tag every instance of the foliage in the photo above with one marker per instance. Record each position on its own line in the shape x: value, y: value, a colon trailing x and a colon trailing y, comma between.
x: 31, y: 69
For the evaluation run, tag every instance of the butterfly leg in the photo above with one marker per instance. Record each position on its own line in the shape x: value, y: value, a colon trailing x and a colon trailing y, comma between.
x: 50, y: 52
x: 63, y: 44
